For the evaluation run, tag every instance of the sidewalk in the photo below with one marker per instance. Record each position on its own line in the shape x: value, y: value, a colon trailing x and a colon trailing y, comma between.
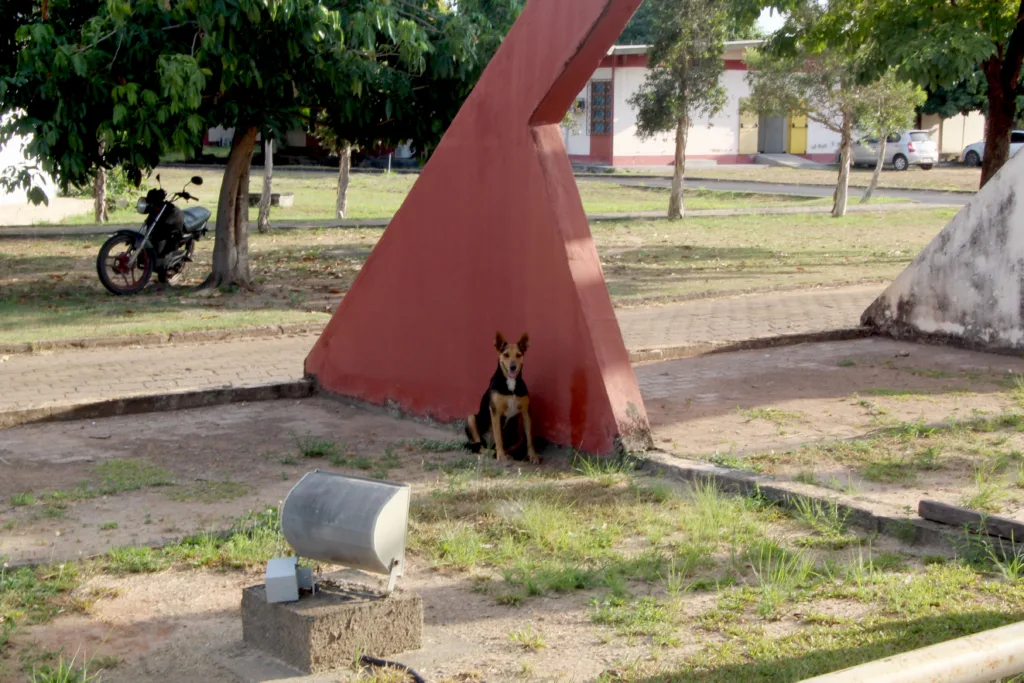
x: 72, y: 377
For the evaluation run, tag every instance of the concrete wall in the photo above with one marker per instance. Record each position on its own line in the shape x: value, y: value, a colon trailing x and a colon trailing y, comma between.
x: 715, y: 138
x: 960, y: 131
x: 577, y: 142
x: 968, y: 284
x: 12, y: 155
x: 822, y: 143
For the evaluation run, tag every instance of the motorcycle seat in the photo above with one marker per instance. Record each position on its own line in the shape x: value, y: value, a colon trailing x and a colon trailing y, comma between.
x: 195, y: 218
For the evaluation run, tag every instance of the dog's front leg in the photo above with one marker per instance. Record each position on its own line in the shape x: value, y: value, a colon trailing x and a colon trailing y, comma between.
x: 499, y: 446
x: 531, y: 454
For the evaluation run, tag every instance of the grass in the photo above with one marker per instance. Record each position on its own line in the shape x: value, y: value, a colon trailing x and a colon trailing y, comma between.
x: 643, y: 561
x: 313, y: 447
x: 37, y: 595
x: 49, y: 289
x: 988, y: 493
x: 118, y: 476
x: 953, y: 178
x: 902, y: 452
x: 210, y: 491
x: 527, y: 638
x: 21, y: 499
x: 68, y: 671
x: 108, y: 478
x: 642, y: 551
x: 773, y: 415
x: 380, y: 196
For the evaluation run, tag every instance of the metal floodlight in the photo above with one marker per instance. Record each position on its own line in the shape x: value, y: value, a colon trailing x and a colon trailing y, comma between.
x: 352, y: 521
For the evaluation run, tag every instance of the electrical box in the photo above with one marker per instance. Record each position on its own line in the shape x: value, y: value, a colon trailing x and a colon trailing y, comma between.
x: 282, y: 583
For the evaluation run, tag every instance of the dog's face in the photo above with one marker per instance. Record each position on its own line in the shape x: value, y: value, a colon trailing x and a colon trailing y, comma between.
x: 510, y: 356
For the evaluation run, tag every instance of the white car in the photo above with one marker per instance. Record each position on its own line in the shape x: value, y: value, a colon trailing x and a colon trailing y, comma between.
x: 973, y: 154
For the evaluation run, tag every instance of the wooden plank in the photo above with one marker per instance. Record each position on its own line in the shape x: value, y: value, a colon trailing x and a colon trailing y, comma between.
x: 957, y: 516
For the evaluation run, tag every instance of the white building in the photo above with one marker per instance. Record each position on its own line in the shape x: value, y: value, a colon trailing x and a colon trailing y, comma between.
x: 12, y: 155
x: 605, y: 131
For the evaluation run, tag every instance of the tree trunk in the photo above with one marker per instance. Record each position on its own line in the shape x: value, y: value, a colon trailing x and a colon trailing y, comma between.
x: 263, y: 222
x: 99, y: 191
x: 878, y: 168
x: 99, y: 196
x: 675, y: 199
x: 1002, y: 105
x: 344, y: 168
x: 843, y: 184
x: 231, y: 248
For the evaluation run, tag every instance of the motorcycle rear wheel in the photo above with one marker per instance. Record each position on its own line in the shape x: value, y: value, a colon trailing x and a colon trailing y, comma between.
x: 114, y: 271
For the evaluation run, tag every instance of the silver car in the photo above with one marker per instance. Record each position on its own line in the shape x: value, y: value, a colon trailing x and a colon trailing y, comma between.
x: 901, y: 150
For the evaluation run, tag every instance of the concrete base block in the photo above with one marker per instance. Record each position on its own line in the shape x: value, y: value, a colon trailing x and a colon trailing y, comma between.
x: 327, y: 630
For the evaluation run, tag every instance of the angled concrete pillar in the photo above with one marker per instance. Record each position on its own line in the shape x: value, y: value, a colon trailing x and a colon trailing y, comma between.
x: 967, y: 285
x: 493, y: 236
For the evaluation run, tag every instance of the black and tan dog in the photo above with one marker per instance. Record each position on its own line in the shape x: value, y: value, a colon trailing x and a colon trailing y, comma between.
x: 505, y: 406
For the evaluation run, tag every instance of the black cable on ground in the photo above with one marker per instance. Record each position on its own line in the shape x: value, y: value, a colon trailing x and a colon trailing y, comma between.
x: 373, y: 661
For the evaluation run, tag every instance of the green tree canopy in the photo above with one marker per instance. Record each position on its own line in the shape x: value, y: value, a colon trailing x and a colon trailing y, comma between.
x: 145, y: 77
x: 936, y: 43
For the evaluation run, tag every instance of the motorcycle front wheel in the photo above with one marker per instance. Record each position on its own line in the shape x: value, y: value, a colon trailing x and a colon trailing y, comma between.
x: 116, y: 274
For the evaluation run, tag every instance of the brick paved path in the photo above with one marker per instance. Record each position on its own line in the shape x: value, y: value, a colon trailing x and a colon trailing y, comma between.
x: 71, y: 377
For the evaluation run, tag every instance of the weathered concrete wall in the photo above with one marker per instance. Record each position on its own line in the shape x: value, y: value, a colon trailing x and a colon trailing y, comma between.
x: 967, y: 285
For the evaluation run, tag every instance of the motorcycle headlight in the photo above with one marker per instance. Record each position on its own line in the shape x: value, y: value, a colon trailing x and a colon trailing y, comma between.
x: 142, y: 206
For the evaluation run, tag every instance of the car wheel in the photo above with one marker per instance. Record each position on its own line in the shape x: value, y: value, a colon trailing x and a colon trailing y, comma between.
x: 972, y: 158
x: 899, y: 162
x: 926, y: 167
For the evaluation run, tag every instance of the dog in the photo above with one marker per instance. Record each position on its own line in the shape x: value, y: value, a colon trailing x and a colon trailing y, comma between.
x: 505, y: 406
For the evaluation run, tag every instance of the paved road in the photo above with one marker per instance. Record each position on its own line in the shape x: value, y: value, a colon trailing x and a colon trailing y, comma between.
x: 923, y: 196
x: 83, y: 376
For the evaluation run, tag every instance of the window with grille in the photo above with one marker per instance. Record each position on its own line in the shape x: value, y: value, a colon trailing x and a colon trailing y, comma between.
x: 600, y: 107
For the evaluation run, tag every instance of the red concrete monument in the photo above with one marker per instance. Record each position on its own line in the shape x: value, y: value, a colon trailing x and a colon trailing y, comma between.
x: 492, y: 237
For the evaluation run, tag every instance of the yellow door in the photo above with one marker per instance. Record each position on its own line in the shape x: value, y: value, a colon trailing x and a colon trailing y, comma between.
x: 798, y: 135
x: 748, y: 131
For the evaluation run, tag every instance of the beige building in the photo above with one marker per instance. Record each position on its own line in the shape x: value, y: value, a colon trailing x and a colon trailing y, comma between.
x: 605, y: 129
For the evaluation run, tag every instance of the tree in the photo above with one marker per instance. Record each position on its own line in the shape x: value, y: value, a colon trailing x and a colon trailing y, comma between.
x: 888, y: 105
x: 399, y: 107
x: 938, y: 44
x: 684, y: 82
x: 641, y: 28
x: 821, y: 86
x: 148, y: 76
x: 263, y: 219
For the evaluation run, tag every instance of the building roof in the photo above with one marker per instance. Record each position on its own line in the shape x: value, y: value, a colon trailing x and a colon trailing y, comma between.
x: 731, y: 46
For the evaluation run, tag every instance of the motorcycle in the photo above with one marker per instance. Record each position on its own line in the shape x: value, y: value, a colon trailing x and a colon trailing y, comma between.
x: 164, y: 244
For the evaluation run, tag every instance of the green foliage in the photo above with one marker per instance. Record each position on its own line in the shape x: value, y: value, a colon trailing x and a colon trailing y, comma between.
x: 888, y: 105
x: 937, y: 45
x: 148, y: 77
x: 688, y: 39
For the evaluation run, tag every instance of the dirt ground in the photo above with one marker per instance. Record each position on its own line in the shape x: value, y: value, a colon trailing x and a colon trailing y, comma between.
x: 734, y: 408
x: 774, y: 410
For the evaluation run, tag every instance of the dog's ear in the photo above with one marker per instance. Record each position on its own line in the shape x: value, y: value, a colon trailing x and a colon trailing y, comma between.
x: 499, y: 341
x: 524, y: 342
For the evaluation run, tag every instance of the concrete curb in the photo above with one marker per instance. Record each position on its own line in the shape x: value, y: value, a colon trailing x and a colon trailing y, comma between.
x: 689, y: 351
x: 913, y: 530
x: 154, y: 403
x: 611, y: 176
